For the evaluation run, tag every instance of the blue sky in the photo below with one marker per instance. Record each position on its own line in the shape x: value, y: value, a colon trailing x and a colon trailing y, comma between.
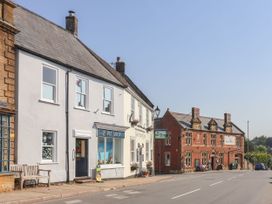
x: 215, y: 55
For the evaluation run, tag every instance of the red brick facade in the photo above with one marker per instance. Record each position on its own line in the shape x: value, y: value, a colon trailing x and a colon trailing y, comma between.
x: 211, y: 152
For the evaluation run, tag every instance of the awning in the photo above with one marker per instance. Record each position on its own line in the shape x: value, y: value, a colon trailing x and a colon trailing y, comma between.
x: 105, y: 126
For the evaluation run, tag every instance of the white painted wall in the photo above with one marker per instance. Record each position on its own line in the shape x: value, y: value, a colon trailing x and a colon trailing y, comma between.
x: 140, y: 135
x: 34, y: 116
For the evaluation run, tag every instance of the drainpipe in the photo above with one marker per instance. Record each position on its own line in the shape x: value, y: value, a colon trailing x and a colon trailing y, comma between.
x: 67, y: 127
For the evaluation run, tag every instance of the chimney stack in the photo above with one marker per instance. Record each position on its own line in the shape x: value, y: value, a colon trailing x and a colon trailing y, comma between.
x: 227, y: 122
x: 195, y: 113
x: 120, y: 66
x: 72, y: 23
x: 6, y: 11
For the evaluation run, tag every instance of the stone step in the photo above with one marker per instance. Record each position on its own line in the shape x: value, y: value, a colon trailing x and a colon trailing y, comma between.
x: 84, y: 180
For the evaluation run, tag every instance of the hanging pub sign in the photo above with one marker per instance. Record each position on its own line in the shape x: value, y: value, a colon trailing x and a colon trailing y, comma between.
x: 110, y: 133
x: 161, y: 134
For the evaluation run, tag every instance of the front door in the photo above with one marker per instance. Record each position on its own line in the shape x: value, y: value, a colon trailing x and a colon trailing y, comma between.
x: 81, y: 157
x: 197, y: 163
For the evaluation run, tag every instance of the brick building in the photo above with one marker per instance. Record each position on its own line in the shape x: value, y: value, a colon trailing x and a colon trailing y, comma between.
x: 7, y: 93
x: 194, y: 140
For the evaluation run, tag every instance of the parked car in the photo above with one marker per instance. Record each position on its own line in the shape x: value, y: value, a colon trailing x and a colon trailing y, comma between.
x: 260, y: 166
x: 201, y: 168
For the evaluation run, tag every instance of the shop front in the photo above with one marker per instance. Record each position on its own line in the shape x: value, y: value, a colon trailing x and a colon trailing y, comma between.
x: 110, y: 150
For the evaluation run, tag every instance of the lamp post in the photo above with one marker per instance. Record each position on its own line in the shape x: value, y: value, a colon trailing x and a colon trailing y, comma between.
x: 157, y: 114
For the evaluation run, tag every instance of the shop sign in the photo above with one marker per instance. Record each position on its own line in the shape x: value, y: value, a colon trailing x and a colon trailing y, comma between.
x: 161, y: 134
x: 110, y: 133
x: 230, y: 140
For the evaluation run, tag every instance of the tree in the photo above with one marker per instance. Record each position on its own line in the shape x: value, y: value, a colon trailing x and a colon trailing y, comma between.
x: 261, y: 149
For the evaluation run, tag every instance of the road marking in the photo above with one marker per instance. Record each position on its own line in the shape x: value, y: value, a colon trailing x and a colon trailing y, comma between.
x: 231, y: 178
x: 215, y: 183
x: 120, y: 197
x: 111, y: 195
x: 73, y: 201
x: 184, y: 194
x: 131, y: 192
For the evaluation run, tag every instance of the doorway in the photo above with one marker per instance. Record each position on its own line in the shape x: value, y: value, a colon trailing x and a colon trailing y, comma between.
x: 81, y: 157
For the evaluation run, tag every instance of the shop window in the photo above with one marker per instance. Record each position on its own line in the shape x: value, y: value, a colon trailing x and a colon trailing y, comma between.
x: 5, y: 143
x: 109, y: 150
x: 49, y: 146
x: 167, y: 159
x: 188, y: 159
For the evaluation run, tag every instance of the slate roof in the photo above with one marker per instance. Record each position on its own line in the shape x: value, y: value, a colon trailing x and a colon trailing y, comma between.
x: 185, y: 121
x: 50, y: 41
x: 44, y: 38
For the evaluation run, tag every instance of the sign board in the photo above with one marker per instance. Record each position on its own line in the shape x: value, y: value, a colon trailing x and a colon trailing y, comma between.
x: 229, y: 140
x: 111, y: 133
x: 161, y: 134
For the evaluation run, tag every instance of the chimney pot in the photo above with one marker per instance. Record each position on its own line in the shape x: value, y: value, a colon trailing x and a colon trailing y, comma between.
x: 72, y: 23
x: 120, y: 66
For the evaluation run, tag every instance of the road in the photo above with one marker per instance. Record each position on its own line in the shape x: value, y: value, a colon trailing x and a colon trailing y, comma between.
x: 232, y: 187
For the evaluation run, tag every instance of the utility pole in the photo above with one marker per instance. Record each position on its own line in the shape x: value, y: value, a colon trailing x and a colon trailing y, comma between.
x: 248, y: 142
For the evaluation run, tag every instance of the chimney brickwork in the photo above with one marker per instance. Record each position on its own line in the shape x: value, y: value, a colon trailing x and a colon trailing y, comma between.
x: 196, y: 122
x: 120, y: 66
x: 72, y: 23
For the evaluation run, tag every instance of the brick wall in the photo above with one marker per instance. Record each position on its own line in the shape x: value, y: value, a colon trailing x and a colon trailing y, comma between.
x: 178, y: 147
x: 7, y: 79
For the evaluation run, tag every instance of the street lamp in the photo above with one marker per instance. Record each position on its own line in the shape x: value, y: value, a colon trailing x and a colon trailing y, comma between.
x: 157, y: 112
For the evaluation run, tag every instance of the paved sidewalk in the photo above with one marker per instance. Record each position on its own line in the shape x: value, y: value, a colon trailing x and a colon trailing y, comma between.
x: 39, y: 194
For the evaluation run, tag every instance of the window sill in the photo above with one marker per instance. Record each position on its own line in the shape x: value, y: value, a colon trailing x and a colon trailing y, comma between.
x: 82, y: 109
x: 111, y: 166
x: 48, y: 102
x: 106, y: 113
x: 48, y: 163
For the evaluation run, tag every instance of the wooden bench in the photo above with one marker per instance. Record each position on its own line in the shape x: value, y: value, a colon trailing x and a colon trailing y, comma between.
x: 25, y: 172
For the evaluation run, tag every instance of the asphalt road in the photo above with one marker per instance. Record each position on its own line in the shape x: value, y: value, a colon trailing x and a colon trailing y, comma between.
x: 233, y: 187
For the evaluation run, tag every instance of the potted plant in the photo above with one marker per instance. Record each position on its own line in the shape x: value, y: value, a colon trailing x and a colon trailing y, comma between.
x: 149, y: 167
x: 133, y: 166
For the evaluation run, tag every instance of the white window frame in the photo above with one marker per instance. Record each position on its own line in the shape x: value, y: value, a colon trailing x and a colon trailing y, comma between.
x: 147, y: 151
x: 55, y: 86
x: 113, y: 150
x: 111, y: 101
x: 140, y: 109
x: 132, y: 107
x: 166, y: 161
x: 86, y: 94
x: 133, y: 151
x: 147, y: 118
x: 55, y: 148
x: 167, y: 141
